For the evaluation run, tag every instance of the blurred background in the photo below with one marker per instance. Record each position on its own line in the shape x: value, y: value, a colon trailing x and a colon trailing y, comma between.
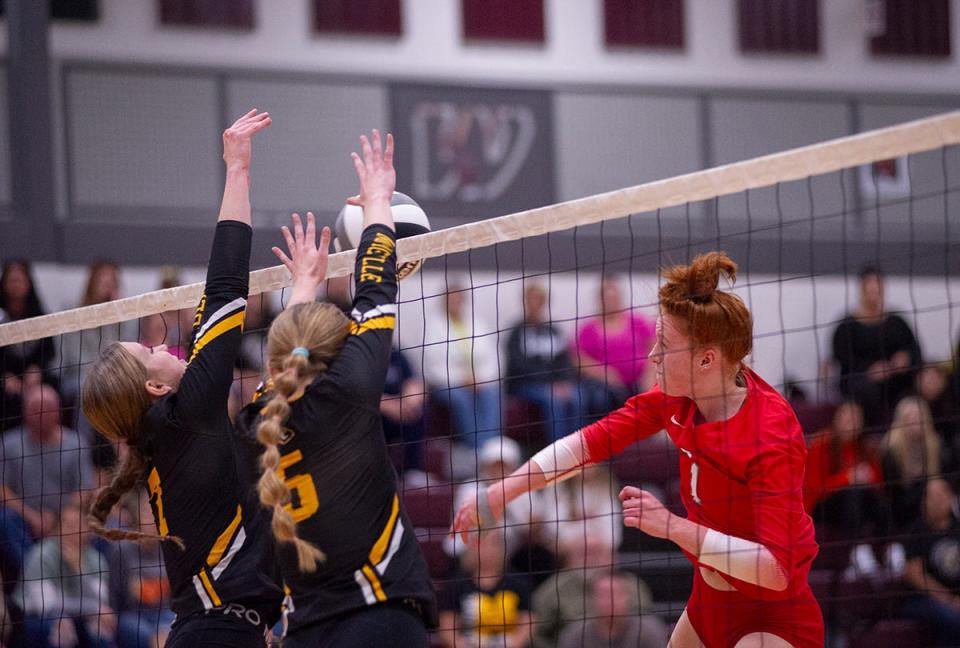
x: 111, y: 114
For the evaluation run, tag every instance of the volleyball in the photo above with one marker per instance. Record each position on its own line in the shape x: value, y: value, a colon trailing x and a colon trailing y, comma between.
x: 409, y: 219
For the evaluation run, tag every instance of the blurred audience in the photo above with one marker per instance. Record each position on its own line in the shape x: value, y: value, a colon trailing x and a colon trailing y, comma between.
x: 25, y: 364
x: 539, y: 369
x: 939, y: 388
x: 256, y: 324
x: 877, y: 353
x: 612, y: 351
x: 911, y: 454
x: 403, y: 410
x: 484, y: 605
x: 140, y: 593
x: 563, y: 598
x: 79, y: 349
x: 42, y: 464
x: 496, y: 459
x: 461, y: 365
x: 843, y: 488
x: 64, y: 592
x: 614, y: 616
x: 933, y: 565
x: 584, y: 512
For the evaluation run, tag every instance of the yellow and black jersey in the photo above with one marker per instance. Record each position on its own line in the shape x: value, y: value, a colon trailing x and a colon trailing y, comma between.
x: 201, y: 476
x: 335, y: 461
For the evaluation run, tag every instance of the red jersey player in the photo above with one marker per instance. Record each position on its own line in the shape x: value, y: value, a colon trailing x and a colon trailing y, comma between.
x: 742, y: 456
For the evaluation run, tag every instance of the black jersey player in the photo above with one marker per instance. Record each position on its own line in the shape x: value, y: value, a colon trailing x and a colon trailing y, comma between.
x: 172, y: 416
x: 347, y: 550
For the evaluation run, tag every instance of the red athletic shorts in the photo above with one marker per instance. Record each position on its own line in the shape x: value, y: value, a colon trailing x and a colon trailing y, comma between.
x: 721, y: 619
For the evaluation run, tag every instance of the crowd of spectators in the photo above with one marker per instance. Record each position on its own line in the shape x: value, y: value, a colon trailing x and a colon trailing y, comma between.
x: 881, y: 475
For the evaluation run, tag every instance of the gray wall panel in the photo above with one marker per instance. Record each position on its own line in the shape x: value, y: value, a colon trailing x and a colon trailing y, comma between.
x: 303, y: 161
x: 918, y: 210
x: 746, y: 128
x: 5, y: 187
x: 143, y: 139
x: 606, y: 142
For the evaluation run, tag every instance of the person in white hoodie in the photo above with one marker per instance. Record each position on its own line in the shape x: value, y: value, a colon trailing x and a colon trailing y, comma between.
x: 461, y: 364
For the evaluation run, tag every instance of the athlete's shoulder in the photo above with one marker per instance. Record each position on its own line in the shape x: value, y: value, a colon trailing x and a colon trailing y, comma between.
x: 776, y: 418
x: 657, y: 398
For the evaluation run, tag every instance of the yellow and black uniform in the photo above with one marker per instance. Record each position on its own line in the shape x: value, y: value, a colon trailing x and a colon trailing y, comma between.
x: 344, y: 489
x: 202, y: 477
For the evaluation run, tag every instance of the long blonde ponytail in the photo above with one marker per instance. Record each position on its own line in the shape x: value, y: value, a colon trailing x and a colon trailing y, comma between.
x: 303, y: 340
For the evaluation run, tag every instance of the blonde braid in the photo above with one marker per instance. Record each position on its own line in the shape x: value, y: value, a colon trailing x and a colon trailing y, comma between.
x: 273, y: 491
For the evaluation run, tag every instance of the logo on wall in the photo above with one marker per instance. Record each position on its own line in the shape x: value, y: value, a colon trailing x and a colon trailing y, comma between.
x: 471, y: 152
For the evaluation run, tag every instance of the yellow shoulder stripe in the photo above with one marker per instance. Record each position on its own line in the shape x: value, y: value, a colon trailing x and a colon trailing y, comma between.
x: 381, y: 322
x: 220, y: 546
x: 228, y: 323
x: 380, y: 548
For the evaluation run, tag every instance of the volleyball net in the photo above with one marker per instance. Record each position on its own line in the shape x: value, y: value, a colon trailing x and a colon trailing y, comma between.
x: 523, y: 328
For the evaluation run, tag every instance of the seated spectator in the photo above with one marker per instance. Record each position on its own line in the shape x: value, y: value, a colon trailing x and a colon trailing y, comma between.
x: 256, y: 324
x: 42, y: 463
x: 140, y: 593
x: 496, y: 459
x: 933, y: 566
x: 910, y: 455
x: 939, y: 388
x: 843, y: 485
x: 539, y: 368
x: 615, y: 618
x: 462, y: 367
x: 581, y: 519
x: 64, y: 592
x: 483, y: 604
x: 79, y: 349
x: 612, y: 352
x: 402, y: 409
x: 26, y: 364
x: 583, y: 510
x: 877, y: 353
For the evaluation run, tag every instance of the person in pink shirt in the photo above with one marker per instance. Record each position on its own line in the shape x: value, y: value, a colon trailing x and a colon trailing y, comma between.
x: 612, y: 351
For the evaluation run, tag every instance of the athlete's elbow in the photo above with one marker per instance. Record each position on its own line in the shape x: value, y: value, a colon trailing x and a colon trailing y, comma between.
x: 775, y: 577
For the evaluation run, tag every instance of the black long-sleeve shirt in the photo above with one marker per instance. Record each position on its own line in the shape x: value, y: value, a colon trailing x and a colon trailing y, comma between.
x: 201, y: 476
x: 335, y: 460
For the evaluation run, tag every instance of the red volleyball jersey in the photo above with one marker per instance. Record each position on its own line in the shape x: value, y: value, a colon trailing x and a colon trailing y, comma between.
x: 742, y: 476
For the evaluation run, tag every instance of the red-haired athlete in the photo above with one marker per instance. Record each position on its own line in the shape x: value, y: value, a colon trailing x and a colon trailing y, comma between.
x: 742, y: 457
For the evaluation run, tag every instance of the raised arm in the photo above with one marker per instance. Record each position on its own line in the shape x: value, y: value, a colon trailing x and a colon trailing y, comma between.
x: 218, y: 323
x: 236, y: 155
x: 638, y: 419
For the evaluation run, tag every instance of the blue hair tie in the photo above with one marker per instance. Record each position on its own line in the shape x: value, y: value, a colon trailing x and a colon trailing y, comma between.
x: 301, y: 351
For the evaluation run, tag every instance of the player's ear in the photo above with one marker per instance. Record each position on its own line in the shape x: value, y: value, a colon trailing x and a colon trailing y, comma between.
x: 707, y: 358
x: 157, y: 389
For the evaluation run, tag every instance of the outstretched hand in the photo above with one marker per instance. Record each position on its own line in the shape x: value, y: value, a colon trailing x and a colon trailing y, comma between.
x: 378, y: 179
x: 307, y: 261
x: 236, y: 139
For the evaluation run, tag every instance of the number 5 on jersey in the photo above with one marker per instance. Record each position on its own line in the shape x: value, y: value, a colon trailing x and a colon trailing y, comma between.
x: 302, y: 485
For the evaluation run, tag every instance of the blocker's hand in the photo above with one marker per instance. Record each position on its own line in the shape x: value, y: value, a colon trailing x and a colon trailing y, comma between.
x: 375, y: 170
x: 641, y: 510
x: 307, y: 262
x: 236, y: 139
